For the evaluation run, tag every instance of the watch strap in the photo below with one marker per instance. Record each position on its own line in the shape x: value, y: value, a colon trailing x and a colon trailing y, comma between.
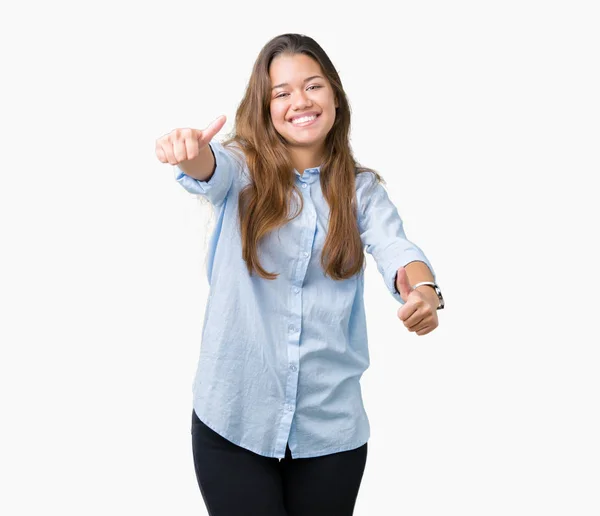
x: 437, y: 291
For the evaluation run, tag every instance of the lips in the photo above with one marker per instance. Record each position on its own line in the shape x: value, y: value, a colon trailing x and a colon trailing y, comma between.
x: 309, y: 113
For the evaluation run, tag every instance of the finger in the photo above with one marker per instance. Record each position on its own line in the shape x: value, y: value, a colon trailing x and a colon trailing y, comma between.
x: 212, y: 129
x: 160, y: 153
x: 179, y: 151
x: 427, y: 327
x: 192, y: 145
x: 416, y: 321
x: 424, y: 331
x: 415, y: 317
x: 403, y: 285
x: 167, y: 148
x: 406, y: 311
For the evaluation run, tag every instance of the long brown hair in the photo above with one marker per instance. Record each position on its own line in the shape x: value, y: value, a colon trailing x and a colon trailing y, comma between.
x: 264, y: 202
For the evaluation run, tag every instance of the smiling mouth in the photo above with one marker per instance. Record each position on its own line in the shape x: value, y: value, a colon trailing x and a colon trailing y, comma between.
x: 306, y: 122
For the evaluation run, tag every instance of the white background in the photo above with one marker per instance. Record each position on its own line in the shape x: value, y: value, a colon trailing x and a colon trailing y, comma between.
x: 483, y: 117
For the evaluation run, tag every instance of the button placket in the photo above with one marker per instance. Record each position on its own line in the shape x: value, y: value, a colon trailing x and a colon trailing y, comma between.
x: 294, y: 329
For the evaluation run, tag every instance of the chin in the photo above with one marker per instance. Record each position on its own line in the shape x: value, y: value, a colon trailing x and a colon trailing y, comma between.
x: 305, y: 143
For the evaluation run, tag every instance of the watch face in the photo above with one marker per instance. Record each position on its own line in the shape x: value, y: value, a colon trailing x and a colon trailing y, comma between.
x: 439, y: 293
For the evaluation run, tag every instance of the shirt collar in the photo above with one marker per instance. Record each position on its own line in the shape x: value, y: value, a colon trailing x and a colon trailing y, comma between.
x: 310, y: 174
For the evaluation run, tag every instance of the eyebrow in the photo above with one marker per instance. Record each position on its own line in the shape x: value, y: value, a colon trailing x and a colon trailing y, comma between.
x: 305, y: 80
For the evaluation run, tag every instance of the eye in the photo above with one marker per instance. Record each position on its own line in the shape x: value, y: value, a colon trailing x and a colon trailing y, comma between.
x: 316, y: 86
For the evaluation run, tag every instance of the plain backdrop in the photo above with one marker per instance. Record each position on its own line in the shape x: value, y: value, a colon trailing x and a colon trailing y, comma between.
x: 483, y: 119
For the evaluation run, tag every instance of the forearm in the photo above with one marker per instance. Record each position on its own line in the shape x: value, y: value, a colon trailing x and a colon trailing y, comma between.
x: 202, y: 167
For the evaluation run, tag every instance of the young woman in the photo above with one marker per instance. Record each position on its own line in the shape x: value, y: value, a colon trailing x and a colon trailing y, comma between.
x: 278, y: 423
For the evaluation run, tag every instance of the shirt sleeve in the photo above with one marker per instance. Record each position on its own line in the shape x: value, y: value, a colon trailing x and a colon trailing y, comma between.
x: 219, y: 185
x: 382, y: 232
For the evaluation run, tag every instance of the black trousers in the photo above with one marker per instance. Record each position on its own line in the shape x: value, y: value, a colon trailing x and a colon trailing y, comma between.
x: 237, y: 482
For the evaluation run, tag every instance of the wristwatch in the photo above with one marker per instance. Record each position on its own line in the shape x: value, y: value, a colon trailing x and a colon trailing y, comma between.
x: 437, y: 291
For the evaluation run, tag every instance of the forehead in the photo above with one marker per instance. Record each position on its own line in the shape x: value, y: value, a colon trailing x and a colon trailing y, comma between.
x: 288, y: 68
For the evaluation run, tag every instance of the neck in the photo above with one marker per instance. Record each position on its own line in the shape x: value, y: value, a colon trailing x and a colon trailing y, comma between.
x: 303, y: 158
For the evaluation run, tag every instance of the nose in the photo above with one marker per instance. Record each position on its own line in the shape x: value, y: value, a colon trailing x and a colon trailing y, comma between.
x: 300, y: 101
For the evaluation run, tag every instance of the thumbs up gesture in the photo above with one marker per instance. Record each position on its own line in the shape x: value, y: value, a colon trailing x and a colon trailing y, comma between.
x: 185, y: 144
x: 419, y: 311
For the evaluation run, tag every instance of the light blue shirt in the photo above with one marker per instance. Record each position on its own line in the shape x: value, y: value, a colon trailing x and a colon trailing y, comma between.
x: 281, y: 360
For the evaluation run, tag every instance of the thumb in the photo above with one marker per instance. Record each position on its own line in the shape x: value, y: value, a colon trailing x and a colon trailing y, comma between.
x: 402, y: 284
x: 212, y: 129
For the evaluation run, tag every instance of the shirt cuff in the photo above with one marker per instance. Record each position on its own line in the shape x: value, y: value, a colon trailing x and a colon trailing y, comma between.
x: 390, y: 270
x: 219, y: 184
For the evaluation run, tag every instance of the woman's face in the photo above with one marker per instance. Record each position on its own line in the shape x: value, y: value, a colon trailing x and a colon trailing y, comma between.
x: 301, y: 90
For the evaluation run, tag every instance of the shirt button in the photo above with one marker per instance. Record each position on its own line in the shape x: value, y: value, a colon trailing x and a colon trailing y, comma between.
x: 296, y: 290
x: 304, y: 185
x: 293, y: 367
x: 291, y: 327
x: 290, y: 408
x: 305, y: 254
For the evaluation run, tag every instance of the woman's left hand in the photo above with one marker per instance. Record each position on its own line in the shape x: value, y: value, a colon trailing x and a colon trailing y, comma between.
x: 419, y: 311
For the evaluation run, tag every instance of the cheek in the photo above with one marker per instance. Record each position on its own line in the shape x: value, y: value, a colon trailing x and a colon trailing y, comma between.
x: 277, y: 114
x: 331, y: 103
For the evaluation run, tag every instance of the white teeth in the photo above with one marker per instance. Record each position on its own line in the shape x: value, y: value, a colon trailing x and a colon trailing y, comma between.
x: 303, y: 119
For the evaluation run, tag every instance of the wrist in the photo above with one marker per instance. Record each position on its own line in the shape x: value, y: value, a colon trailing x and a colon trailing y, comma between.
x: 430, y: 295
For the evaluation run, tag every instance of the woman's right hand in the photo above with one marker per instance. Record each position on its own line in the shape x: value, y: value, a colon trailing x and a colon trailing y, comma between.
x: 185, y: 144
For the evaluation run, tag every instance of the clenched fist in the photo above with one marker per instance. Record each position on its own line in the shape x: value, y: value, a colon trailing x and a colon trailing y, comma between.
x: 419, y: 310
x: 185, y: 144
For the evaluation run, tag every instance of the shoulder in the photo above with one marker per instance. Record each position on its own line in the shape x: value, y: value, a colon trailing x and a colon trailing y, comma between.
x: 235, y: 149
x: 365, y: 179
x: 367, y: 182
x: 232, y: 149
x: 236, y: 156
